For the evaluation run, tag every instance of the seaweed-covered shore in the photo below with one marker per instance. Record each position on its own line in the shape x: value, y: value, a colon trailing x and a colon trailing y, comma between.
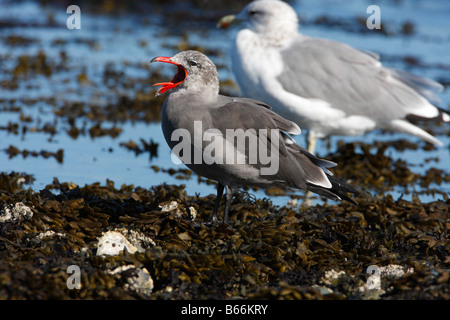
x: 264, y: 252
x: 78, y: 105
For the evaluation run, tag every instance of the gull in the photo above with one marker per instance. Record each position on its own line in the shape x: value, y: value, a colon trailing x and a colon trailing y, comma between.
x: 325, y: 86
x: 203, y: 128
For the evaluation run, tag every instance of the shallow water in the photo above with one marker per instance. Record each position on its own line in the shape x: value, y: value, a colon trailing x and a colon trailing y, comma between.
x: 124, y: 42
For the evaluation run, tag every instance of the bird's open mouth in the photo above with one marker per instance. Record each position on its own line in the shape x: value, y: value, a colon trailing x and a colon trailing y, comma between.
x: 179, y: 77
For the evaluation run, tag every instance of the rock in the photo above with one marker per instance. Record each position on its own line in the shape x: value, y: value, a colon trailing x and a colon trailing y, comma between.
x: 137, y: 239
x: 332, y: 277
x: 395, y: 271
x: 322, y: 290
x: 112, y: 243
x: 48, y: 234
x: 175, y: 210
x: 372, y: 289
x: 169, y: 206
x: 14, y: 213
x: 192, y: 213
x: 138, y: 279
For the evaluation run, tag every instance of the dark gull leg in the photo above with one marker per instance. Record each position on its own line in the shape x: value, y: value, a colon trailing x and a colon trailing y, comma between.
x: 220, y: 187
x: 229, y: 197
x: 311, y: 140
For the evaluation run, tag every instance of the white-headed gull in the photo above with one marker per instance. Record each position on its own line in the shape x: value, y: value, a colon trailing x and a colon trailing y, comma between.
x: 325, y: 86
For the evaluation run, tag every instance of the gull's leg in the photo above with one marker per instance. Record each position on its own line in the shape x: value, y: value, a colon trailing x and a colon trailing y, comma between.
x: 311, y: 140
x: 220, y: 187
x: 229, y: 197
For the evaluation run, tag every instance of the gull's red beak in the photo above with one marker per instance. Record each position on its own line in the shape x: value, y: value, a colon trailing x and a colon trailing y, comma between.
x: 179, y: 77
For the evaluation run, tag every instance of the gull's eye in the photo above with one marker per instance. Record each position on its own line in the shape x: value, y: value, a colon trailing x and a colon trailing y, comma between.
x: 192, y: 63
x: 252, y: 13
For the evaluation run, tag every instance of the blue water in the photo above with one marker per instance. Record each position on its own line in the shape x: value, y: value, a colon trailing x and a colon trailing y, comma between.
x: 129, y: 41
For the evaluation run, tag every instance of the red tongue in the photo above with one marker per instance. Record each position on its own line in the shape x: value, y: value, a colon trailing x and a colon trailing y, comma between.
x: 165, y: 86
x: 179, y: 77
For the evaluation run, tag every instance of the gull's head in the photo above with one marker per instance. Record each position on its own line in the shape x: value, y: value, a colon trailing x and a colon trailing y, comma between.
x: 195, y: 72
x: 271, y: 18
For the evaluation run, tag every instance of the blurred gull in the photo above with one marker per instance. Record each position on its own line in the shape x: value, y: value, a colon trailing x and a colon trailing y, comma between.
x: 324, y: 86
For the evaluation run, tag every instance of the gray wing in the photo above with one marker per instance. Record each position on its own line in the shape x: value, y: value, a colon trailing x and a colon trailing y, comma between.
x: 254, y: 101
x: 423, y: 86
x: 352, y: 80
x: 246, y: 113
x: 297, y: 167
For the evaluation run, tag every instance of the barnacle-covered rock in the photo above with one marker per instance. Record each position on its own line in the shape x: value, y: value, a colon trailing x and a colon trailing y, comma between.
x: 171, y: 206
x: 47, y: 234
x: 139, y: 240
x: 375, y: 285
x: 16, y: 212
x: 137, y: 279
x: 112, y: 243
x: 174, y: 208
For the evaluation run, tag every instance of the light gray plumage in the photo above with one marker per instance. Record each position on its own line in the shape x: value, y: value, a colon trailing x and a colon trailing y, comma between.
x: 325, y: 86
x: 196, y: 98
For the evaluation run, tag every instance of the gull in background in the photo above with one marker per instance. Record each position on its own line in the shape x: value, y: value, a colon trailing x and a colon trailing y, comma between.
x: 325, y: 86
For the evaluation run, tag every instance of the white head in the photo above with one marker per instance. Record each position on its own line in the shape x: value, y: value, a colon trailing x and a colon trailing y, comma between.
x: 271, y: 19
